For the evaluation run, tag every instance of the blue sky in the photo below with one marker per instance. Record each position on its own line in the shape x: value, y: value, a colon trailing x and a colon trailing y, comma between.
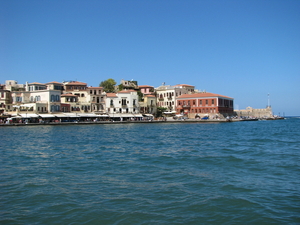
x: 242, y: 49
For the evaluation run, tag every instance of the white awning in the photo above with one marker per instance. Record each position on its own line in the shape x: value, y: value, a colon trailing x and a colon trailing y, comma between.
x: 136, y: 115
x: 149, y: 115
x: 115, y: 114
x: 87, y: 115
x: 170, y: 112
x: 71, y: 114
x: 46, y: 115
x: 27, y: 105
x: 28, y: 115
x: 59, y: 115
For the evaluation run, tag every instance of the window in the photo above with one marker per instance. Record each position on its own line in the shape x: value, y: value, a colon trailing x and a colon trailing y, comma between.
x: 213, y: 101
x: 57, y: 98
x: 200, y: 102
x: 206, y: 102
x: 18, y: 99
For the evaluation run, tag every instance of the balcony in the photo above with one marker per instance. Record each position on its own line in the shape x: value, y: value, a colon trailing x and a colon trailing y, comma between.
x: 186, y: 106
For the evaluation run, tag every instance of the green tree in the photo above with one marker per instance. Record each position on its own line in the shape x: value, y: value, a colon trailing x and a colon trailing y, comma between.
x: 121, y: 87
x: 160, y: 111
x: 141, y: 96
x: 108, y: 85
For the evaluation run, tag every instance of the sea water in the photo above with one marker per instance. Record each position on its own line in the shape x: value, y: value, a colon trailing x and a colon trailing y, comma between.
x: 168, y: 173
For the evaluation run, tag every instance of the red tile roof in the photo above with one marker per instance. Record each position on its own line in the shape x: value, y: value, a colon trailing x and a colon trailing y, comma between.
x: 36, y: 83
x: 54, y: 82
x: 127, y: 91
x: 145, y: 86
x: 95, y: 88
x: 111, y: 95
x: 76, y: 83
x: 185, y: 85
x: 202, y: 95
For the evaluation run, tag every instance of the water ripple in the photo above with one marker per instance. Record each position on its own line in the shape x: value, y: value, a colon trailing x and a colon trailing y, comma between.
x: 232, y: 173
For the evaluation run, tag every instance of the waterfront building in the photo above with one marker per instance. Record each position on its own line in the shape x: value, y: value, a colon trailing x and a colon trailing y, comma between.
x: 123, y: 104
x: 35, y: 98
x: 147, y: 101
x: 167, y: 95
x: 76, y: 88
x: 96, y: 97
x: 83, y: 99
x: 69, y: 103
x: 204, y: 104
x: 257, y: 113
x: 148, y: 105
x: 146, y: 89
x: 5, y: 99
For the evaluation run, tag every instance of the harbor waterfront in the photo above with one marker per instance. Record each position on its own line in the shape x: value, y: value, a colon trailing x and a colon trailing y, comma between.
x: 159, y: 173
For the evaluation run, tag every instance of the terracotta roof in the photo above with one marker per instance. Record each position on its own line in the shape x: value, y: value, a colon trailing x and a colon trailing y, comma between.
x: 185, y: 85
x: 202, y: 95
x: 37, y: 83
x: 76, y: 83
x: 111, y: 95
x: 126, y: 91
x: 145, y: 86
x: 95, y: 88
x: 68, y: 95
x: 54, y: 82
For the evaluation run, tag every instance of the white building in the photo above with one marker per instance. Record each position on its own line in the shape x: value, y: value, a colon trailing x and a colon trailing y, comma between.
x: 167, y: 95
x: 36, y: 98
x: 123, y: 104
